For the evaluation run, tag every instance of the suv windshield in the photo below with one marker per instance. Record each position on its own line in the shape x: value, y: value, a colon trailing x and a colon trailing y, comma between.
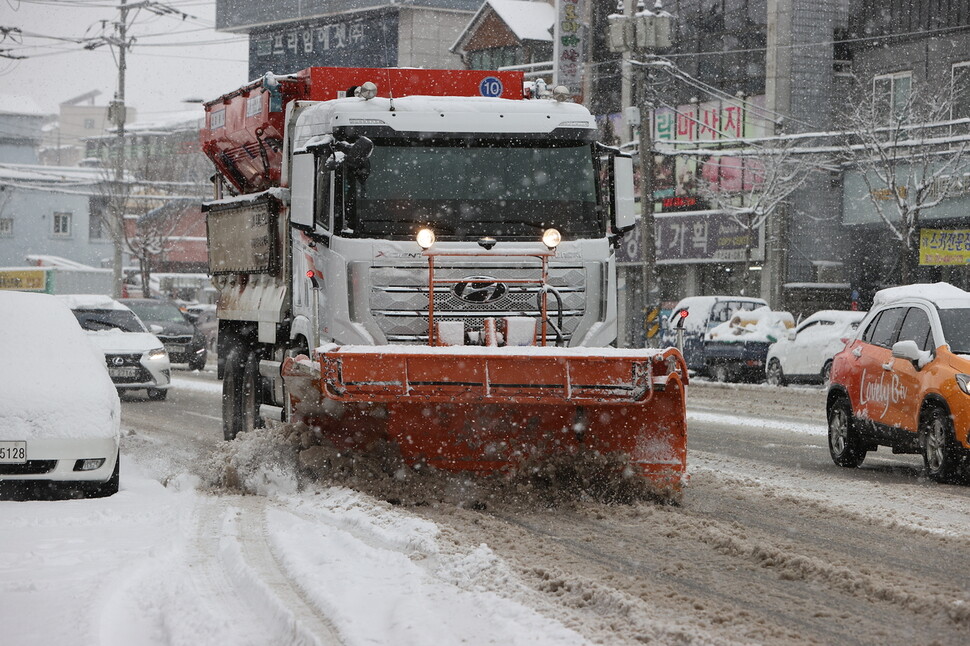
x: 477, y: 188
x: 94, y: 320
x: 956, y: 329
x: 156, y: 312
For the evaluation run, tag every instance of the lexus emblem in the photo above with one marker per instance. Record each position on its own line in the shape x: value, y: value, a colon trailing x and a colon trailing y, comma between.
x: 117, y: 361
x: 479, y: 289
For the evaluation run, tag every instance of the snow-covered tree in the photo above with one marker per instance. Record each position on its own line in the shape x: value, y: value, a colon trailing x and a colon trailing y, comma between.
x: 751, y: 184
x: 910, y: 159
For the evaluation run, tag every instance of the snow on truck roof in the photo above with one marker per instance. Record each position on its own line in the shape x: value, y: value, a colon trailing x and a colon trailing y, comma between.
x: 423, y: 114
x: 943, y: 295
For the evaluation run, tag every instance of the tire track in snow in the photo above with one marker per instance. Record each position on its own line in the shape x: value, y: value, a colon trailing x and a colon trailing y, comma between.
x: 235, y: 573
x: 299, y: 619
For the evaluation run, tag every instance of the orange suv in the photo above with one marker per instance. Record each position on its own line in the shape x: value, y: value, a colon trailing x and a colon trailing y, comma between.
x: 903, y: 381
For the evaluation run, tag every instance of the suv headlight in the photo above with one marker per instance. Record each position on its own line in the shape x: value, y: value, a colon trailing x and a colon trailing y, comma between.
x: 157, y: 354
x: 964, y: 382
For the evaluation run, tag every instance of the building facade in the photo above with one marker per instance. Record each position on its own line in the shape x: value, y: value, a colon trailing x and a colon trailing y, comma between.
x: 289, y: 36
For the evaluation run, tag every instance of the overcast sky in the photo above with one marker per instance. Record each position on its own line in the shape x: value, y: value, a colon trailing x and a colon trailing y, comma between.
x: 171, y: 60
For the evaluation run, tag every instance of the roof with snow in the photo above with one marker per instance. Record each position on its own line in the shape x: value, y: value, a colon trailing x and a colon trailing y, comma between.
x: 943, y: 295
x: 38, y: 174
x: 21, y: 104
x: 527, y: 20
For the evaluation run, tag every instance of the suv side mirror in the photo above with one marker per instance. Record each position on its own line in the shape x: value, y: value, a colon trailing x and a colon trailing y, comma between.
x: 909, y: 351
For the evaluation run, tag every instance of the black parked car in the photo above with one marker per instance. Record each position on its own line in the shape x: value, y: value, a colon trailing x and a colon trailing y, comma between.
x: 182, y: 339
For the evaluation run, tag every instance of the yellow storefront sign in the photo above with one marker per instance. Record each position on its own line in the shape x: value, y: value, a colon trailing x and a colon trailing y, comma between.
x: 34, y: 280
x: 944, y: 247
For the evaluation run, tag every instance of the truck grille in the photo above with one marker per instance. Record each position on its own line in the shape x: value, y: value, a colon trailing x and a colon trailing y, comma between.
x: 399, y: 297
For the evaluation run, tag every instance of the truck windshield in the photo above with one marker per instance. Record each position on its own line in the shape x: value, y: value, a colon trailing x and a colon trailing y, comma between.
x: 479, y: 188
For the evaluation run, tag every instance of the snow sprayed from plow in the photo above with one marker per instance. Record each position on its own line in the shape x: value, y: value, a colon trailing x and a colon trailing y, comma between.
x: 287, y: 458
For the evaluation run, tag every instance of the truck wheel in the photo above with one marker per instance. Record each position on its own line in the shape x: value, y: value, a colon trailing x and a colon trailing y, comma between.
x: 774, y: 375
x: 845, y: 445
x: 939, y: 457
x: 232, y: 391
x: 252, y: 395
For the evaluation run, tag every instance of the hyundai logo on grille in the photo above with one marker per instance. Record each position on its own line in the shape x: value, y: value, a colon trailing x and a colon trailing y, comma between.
x: 479, y: 289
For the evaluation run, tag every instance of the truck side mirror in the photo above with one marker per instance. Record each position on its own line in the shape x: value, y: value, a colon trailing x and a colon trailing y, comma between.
x: 624, y: 206
x: 358, y: 157
x: 301, y: 191
x: 355, y: 156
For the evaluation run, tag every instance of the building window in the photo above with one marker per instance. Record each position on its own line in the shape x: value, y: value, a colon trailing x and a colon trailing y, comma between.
x: 890, y: 92
x: 89, y: 124
x: 62, y: 225
x: 494, y: 58
x: 95, y: 227
x: 6, y: 227
x: 960, y: 89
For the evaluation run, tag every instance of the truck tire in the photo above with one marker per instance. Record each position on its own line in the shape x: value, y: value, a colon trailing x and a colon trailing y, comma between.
x: 939, y: 455
x: 232, y: 391
x: 252, y: 395
x: 845, y: 445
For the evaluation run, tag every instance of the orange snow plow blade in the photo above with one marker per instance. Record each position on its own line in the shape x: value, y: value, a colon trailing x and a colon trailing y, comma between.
x: 491, y: 409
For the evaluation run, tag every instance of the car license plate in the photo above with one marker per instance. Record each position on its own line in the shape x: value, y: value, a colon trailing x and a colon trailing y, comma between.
x: 13, y: 452
x: 171, y: 348
x: 124, y: 373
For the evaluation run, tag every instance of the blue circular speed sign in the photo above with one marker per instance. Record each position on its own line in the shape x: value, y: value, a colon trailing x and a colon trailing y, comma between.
x: 490, y: 86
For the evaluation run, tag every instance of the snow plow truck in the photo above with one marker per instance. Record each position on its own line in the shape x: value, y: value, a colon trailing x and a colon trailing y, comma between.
x: 425, y: 257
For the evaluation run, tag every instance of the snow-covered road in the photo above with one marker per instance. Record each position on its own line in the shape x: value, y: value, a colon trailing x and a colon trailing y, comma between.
x: 772, y: 544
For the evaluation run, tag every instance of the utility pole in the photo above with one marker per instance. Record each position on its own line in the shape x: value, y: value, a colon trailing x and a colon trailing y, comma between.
x: 643, y: 32
x: 117, y: 114
x: 649, y: 279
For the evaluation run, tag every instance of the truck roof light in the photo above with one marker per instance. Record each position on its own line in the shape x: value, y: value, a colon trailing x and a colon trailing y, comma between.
x: 561, y: 93
x: 551, y: 238
x: 425, y: 238
x: 368, y: 90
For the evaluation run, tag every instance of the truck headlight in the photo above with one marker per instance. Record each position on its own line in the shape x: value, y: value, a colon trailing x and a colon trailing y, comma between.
x: 551, y: 238
x: 425, y: 238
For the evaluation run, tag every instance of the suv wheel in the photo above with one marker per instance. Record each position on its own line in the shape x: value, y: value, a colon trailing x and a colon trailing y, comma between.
x: 939, y: 457
x: 774, y: 375
x: 845, y: 446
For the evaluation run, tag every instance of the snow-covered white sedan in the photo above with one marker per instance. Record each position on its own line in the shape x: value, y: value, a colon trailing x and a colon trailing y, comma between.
x: 60, y: 417
x: 805, y: 355
x: 136, y: 358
